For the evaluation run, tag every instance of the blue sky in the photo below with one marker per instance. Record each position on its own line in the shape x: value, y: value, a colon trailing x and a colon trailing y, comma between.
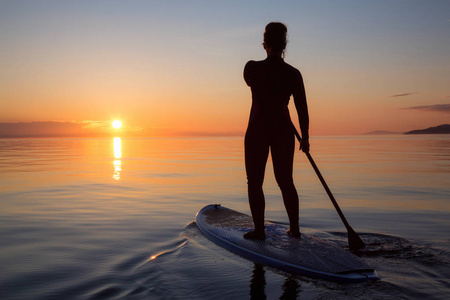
x: 160, y: 64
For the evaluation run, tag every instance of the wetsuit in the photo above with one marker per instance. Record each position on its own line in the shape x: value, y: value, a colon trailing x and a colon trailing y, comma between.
x: 272, y: 82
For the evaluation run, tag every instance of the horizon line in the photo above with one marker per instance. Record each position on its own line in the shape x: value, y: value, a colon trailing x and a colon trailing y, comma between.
x: 176, y: 136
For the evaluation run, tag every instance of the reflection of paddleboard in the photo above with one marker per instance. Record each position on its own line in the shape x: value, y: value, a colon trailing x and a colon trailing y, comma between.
x: 308, y: 255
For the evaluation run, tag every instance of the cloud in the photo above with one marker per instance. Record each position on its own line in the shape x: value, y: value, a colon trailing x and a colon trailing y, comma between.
x: 443, y: 108
x: 403, y: 95
x: 65, y: 129
x: 46, y: 129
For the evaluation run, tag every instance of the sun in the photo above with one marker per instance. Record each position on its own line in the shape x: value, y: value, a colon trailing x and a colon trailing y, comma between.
x: 116, y: 124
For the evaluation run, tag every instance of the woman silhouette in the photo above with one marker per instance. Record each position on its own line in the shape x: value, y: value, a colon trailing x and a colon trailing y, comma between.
x: 272, y: 82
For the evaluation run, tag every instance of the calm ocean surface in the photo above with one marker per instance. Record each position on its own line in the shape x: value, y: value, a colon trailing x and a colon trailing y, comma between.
x: 113, y: 218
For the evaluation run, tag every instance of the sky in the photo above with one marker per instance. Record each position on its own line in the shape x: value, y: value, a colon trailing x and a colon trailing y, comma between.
x: 174, y: 68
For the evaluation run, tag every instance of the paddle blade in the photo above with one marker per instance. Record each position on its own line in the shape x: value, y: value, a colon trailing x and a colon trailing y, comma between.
x: 354, y: 241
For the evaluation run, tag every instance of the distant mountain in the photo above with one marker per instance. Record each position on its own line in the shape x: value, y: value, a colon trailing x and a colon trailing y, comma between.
x: 382, y: 132
x: 441, y: 129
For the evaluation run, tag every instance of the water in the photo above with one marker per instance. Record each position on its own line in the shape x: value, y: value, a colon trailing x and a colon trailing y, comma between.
x: 113, y: 218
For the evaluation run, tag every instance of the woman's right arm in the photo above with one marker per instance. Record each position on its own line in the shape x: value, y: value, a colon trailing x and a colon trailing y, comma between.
x: 302, y: 109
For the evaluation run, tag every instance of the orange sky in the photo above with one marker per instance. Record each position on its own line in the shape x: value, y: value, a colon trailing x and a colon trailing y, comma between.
x: 173, y: 69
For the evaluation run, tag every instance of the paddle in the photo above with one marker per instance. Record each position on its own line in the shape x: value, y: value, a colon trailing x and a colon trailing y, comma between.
x: 354, y: 241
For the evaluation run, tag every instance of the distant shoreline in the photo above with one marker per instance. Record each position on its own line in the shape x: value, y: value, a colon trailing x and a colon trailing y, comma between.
x: 441, y: 129
x: 383, y: 132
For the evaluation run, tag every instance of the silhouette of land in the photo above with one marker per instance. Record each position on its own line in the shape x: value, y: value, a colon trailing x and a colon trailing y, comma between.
x: 441, y: 129
x: 382, y: 132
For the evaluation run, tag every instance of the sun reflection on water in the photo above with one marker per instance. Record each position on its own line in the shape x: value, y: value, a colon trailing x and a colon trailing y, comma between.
x: 118, y: 155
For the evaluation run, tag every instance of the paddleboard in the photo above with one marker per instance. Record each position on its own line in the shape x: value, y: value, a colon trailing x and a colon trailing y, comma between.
x: 308, y: 255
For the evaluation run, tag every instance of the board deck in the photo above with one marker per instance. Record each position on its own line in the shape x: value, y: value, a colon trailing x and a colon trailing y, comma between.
x: 308, y: 255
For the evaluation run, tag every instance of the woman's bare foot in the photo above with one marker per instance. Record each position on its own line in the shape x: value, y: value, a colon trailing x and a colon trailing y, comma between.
x: 255, y: 235
x: 294, y: 233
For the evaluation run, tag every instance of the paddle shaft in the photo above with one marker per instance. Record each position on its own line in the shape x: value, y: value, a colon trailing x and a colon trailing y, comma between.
x: 355, y: 241
x: 338, y: 209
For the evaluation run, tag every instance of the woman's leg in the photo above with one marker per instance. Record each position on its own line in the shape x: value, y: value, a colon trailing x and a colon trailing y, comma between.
x: 283, y: 148
x: 256, y: 153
